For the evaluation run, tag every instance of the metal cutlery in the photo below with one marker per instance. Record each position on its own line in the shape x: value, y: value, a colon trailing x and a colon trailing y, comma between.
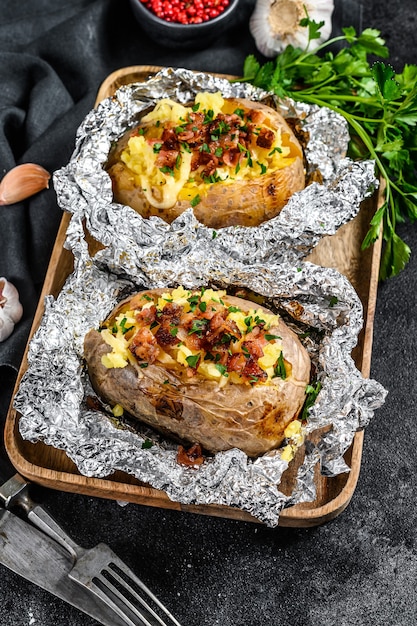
x: 33, y: 555
x: 98, y: 572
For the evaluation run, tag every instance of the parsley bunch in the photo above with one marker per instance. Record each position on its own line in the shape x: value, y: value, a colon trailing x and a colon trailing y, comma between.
x: 380, y: 107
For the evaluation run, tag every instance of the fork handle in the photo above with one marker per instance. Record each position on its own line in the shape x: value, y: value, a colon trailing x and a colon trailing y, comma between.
x: 15, y: 492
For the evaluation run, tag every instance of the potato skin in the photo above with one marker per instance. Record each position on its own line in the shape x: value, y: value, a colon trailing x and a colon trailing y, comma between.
x: 245, y: 202
x: 196, y: 409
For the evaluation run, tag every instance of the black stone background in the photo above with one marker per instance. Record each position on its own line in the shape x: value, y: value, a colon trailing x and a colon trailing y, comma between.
x: 357, y: 570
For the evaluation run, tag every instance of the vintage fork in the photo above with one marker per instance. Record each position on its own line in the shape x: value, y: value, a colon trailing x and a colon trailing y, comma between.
x: 98, y: 569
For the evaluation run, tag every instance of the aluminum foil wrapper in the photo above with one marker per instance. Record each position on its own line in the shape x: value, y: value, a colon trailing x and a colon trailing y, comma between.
x: 84, y: 189
x: 318, y: 303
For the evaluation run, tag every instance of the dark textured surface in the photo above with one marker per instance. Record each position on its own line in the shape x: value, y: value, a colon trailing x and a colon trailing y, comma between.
x: 358, y: 570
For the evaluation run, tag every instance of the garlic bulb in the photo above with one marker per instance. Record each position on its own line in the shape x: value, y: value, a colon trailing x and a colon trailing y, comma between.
x: 11, y: 309
x: 275, y: 24
x: 23, y: 181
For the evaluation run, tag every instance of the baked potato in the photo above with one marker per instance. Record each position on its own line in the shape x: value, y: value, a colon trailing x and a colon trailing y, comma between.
x: 202, y: 367
x: 236, y: 162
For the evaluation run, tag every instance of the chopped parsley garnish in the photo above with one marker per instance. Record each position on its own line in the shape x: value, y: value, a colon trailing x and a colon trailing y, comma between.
x: 167, y: 170
x: 272, y: 337
x: 312, y: 391
x: 276, y: 149
x: 193, y: 300
x: 123, y: 327
x: 209, y: 116
x: 213, y: 178
x: 279, y: 368
x: 198, y: 326
x: 222, y: 369
x: 196, y: 200
x: 193, y: 360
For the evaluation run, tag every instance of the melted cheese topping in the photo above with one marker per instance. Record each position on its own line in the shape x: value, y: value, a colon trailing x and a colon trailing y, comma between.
x: 164, y: 186
x: 122, y: 330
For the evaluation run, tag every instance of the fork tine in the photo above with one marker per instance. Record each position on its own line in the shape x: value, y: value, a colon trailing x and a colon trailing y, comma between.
x: 126, y: 577
x: 114, y: 588
x: 103, y: 594
x: 122, y: 595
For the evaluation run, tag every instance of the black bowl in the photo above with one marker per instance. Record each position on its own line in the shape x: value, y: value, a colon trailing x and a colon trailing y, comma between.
x: 184, y: 36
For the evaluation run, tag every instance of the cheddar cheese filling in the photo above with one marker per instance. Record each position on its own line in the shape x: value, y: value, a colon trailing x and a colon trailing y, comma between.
x: 200, y: 332
x: 179, y: 151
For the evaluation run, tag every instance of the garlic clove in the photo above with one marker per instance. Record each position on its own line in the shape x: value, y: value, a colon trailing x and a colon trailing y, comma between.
x: 23, y: 181
x: 275, y: 24
x: 11, y: 309
x: 6, y: 328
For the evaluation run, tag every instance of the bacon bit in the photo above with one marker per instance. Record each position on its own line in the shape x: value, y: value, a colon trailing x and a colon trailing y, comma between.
x: 254, y: 348
x: 167, y: 158
x: 209, y: 161
x: 265, y: 138
x: 144, y: 345
x: 169, y: 139
x: 252, y: 372
x: 164, y: 335
x: 219, y: 326
x: 256, y: 116
x: 236, y: 363
x: 171, y: 313
x: 169, y: 319
x: 190, y: 457
x: 232, y: 157
x: 146, y: 316
x: 221, y: 354
x: 93, y: 403
x: 195, y: 341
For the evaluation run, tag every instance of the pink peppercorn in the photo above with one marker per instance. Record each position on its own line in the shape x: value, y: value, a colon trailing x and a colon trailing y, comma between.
x: 186, y: 11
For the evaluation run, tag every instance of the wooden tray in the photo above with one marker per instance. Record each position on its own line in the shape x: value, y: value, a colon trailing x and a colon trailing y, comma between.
x: 50, y: 467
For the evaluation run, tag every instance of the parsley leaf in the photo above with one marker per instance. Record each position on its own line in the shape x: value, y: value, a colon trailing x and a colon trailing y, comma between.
x: 193, y: 360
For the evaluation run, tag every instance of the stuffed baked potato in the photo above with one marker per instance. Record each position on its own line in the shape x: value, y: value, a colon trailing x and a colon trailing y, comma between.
x: 236, y: 162
x: 201, y: 366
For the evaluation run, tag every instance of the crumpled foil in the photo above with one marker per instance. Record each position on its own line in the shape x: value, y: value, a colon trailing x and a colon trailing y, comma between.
x: 138, y: 254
